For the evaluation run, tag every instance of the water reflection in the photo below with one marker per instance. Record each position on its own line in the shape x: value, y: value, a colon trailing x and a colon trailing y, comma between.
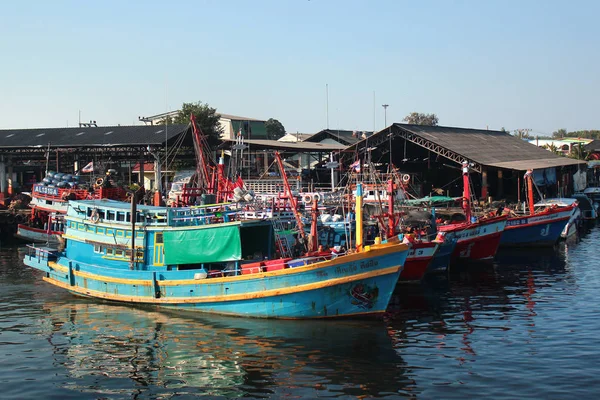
x: 117, y: 348
x: 483, y: 329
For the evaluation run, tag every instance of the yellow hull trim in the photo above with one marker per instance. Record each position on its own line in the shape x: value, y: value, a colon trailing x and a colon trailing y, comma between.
x: 374, y: 251
x: 233, y: 297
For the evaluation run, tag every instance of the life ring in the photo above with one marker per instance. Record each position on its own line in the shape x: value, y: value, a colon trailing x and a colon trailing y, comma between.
x: 99, y: 181
x: 317, y: 196
x: 95, y: 217
x: 405, y: 178
x: 307, y: 199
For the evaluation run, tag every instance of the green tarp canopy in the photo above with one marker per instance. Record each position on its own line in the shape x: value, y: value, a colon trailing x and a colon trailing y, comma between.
x: 431, y: 201
x: 194, y: 246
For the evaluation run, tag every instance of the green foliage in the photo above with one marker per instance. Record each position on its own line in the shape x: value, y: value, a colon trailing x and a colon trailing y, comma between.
x: 561, y: 133
x: 552, y: 147
x: 587, y: 134
x: 275, y: 129
x: 416, y: 118
x: 207, y: 119
x: 578, y: 152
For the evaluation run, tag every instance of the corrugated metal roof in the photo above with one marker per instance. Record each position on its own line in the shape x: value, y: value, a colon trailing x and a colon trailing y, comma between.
x: 594, y: 145
x: 294, y: 146
x: 524, y: 165
x: 90, y: 136
x: 491, y: 148
x: 340, y: 135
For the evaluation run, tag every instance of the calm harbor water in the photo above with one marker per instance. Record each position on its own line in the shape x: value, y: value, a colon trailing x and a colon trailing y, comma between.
x: 526, y: 326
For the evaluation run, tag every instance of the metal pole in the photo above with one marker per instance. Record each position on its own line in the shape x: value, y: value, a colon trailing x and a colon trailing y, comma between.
x: 385, y: 106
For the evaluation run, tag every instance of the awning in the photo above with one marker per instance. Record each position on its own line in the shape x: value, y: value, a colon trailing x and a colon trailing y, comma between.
x: 524, y: 165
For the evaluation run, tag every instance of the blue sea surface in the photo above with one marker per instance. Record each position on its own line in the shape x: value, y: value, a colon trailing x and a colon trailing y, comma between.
x: 525, y: 326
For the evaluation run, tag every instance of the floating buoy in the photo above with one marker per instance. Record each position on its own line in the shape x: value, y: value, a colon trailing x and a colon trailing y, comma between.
x: 405, y: 178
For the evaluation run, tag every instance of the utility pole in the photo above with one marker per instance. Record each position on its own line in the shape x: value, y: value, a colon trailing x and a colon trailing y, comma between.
x: 385, y: 106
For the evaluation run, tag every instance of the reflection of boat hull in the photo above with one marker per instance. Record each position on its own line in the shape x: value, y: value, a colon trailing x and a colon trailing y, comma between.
x: 420, y: 256
x: 351, y: 285
x: 36, y: 235
x: 543, y: 229
x: 475, y: 241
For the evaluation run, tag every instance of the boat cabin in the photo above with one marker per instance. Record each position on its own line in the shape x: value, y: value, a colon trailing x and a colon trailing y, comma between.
x: 101, y: 232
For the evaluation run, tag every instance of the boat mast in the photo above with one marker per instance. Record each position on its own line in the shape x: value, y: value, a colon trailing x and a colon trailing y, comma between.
x: 391, y: 219
x: 133, y: 219
x: 288, y: 191
x: 529, y: 180
x: 466, y: 203
x: 201, y: 162
x: 359, y: 216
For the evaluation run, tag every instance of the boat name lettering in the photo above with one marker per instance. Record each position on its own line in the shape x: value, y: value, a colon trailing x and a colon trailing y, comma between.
x: 368, y: 264
x: 469, y: 233
x: 45, y: 190
x: 352, y: 267
x: 344, y: 269
x: 322, y: 274
x: 530, y: 220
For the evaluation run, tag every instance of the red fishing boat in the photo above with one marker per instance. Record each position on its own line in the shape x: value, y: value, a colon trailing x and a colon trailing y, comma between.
x: 422, y: 248
x: 476, y: 239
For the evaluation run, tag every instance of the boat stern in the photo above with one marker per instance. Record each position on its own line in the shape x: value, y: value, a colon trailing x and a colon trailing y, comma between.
x: 40, y: 257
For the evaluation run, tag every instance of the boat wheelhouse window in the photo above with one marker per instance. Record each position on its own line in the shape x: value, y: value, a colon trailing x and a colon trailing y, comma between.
x: 119, y: 253
x: 159, y: 238
x: 120, y: 216
x: 139, y: 217
x: 110, y: 215
x: 89, y: 212
x: 371, y: 193
x: 128, y: 217
x: 101, y: 214
x: 98, y: 249
x: 110, y: 251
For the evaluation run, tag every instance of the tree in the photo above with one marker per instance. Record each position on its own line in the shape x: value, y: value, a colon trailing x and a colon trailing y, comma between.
x: 207, y: 119
x: 559, y: 134
x: 416, y: 118
x: 553, y: 149
x: 275, y: 129
x: 578, y: 152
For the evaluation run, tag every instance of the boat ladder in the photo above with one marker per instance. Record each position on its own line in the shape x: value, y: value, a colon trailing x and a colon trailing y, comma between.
x: 281, y: 240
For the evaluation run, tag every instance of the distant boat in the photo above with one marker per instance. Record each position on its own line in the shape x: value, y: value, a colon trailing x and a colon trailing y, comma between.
x: 540, y: 226
x: 588, y: 207
x: 476, y: 238
x: 205, y: 259
x: 575, y: 220
x: 50, y: 201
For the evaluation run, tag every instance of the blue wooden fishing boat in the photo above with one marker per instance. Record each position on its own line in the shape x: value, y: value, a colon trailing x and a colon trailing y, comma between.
x: 204, y: 258
x: 541, y: 227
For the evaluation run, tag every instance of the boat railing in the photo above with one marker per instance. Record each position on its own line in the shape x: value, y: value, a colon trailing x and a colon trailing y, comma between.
x: 41, y: 253
x: 271, y: 265
x: 203, y: 215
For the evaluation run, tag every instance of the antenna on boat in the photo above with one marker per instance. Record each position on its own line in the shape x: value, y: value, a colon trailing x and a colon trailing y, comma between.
x: 327, y: 103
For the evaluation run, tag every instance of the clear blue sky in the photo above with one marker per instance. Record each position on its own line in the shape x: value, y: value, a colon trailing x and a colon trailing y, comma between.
x: 518, y: 64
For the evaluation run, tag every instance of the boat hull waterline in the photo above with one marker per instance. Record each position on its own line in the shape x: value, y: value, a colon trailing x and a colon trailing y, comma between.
x: 356, y: 284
